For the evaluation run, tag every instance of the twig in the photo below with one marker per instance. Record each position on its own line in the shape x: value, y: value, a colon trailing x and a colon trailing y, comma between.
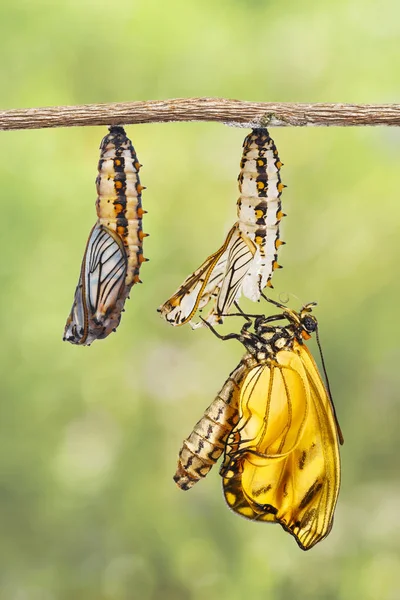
x: 237, y: 113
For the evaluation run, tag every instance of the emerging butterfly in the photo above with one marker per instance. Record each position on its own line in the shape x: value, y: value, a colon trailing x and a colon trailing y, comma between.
x: 248, y: 257
x: 281, y: 462
x: 113, y: 254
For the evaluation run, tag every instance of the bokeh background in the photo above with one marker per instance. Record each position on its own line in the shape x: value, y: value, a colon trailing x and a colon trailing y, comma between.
x: 89, y: 436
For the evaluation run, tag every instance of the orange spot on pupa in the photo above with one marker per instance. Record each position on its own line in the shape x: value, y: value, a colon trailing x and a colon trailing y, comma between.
x: 141, y: 212
x: 269, y: 284
x: 279, y: 243
x: 280, y: 215
x: 280, y: 187
x: 142, y: 259
x: 137, y: 279
x: 260, y: 185
x: 275, y: 266
x: 140, y: 188
x: 118, y: 185
x: 258, y: 239
x: 117, y: 162
x: 260, y: 162
x: 137, y: 166
x: 259, y: 214
x: 142, y: 235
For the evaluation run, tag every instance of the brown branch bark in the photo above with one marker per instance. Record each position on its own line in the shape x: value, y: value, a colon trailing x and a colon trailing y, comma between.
x: 237, y: 113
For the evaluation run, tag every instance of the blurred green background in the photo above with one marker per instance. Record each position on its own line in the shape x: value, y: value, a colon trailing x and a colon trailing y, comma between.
x: 89, y: 436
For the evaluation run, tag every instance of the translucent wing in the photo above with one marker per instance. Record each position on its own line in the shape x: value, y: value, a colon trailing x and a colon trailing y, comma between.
x: 200, y: 285
x: 282, y: 460
x: 99, y: 296
x: 239, y: 259
x: 218, y: 279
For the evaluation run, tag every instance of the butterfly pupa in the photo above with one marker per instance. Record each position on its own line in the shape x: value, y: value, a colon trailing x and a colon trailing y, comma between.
x: 114, y: 253
x: 244, y: 264
x: 281, y: 458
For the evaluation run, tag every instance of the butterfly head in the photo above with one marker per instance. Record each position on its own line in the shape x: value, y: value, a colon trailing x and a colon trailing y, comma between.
x: 308, y: 324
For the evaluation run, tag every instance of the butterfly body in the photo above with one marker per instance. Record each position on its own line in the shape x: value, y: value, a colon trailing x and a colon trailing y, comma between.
x: 281, y: 458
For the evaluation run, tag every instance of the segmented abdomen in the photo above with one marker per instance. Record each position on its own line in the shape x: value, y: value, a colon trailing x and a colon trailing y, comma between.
x: 203, y: 447
x: 259, y: 207
x: 113, y: 252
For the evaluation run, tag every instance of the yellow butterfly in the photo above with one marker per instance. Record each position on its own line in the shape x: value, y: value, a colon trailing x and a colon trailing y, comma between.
x: 281, y: 462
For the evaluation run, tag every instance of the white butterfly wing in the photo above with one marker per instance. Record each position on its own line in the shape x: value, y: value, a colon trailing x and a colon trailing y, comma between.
x: 99, y: 296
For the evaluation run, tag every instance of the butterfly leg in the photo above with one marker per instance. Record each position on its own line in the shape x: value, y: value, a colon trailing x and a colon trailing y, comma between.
x: 241, y: 313
x: 273, y: 318
x: 229, y: 336
x: 278, y: 304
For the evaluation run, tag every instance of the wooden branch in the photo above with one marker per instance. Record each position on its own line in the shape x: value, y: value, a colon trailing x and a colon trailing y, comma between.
x: 237, y: 113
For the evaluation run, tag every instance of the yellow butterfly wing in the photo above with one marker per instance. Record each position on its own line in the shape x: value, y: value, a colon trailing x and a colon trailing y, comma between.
x: 282, y: 459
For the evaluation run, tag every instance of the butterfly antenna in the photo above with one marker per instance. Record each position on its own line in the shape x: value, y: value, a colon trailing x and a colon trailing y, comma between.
x: 339, y: 431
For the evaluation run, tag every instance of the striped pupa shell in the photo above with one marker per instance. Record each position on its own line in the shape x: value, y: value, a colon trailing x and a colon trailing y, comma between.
x: 113, y: 254
x: 259, y: 208
x: 244, y: 264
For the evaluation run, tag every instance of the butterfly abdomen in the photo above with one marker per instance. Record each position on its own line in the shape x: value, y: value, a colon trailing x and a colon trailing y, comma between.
x: 203, y: 447
x: 259, y: 203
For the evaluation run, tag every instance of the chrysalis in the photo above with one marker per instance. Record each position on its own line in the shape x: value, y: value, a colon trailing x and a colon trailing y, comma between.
x: 259, y: 208
x: 113, y: 254
x: 248, y: 257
